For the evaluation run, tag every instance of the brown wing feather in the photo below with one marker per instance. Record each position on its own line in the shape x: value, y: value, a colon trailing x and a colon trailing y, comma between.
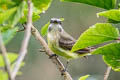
x: 67, y: 42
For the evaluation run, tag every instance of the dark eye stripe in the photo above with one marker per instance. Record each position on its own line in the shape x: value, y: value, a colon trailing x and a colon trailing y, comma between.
x: 59, y: 22
x: 55, y: 21
x: 49, y: 28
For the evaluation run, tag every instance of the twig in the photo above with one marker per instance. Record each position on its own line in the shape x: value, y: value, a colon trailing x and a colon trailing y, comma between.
x: 5, y: 58
x: 54, y: 59
x: 25, y: 41
x: 107, y: 73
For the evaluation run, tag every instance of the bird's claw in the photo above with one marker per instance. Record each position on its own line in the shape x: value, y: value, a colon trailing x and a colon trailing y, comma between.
x: 53, y: 55
x: 63, y: 71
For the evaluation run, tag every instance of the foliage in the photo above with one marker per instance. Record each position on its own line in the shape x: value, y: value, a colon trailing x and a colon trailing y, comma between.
x: 39, y: 7
x: 5, y: 16
x: 12, y: 12
x: 84, y: 77
x: 12, y: 57
x: 7, y: 35
x: 106, y: 4
x: 98, y: 33
x: 44, y: 29
x: 15, y: 17
x: 112, y: 15
x: 3, y: 75
x: 111, y: 54
x: 42, y: 5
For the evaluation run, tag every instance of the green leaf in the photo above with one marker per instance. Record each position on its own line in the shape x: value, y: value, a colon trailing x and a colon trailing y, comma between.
x: 8, y: 34
x: 42, y: 5
x: 45, y: 28
x: 24, y: 17
x: 119, y: 6
x: 106, y: 4
x: 113, y: 21
x: 5, y: 15
x: 39, y: 6
x: 15, y: 17
x: 6, y: 4
x: 17, y: 2
x: 111, y: 54
x: 12, y: 57
x: 4, y: 28
x: 3, y: 75
x: 113, y: 14
x: 84, y: 77
x: 35, y: 16
x: 97, y: 34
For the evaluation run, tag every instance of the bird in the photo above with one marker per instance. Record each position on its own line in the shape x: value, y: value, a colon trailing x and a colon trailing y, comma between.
x: 61, y: 43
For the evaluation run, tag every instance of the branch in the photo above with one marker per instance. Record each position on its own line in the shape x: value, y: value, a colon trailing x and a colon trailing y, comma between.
x: 54, y: 59
x: 5, y: 58
x: 23, y: 49
x: 107, y: 73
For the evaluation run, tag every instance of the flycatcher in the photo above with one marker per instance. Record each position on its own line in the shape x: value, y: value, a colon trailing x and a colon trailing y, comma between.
x: 61, y: 42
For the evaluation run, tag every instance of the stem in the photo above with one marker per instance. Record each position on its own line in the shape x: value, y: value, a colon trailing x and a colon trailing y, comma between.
x: 107, y: 73
x: 55, y: 60
x: 23, y: 49
x: 5, y: 58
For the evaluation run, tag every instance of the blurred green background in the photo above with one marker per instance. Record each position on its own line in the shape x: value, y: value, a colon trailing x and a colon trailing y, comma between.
x: 78, y: 17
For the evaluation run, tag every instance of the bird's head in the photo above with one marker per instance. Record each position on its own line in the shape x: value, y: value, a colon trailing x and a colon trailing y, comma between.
x: 55, y: 25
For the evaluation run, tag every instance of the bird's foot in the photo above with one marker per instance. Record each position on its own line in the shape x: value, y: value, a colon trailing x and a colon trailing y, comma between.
x: 63, y: 72
x: 53, y: 55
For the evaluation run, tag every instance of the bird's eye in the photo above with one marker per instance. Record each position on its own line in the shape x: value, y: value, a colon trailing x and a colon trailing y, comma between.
x: 55, y: 21
x: 59, y: 22
x: 49, y: 28
x: 51, y: 21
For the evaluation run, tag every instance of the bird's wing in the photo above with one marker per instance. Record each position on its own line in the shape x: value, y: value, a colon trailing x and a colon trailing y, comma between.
x: 66, y: 42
